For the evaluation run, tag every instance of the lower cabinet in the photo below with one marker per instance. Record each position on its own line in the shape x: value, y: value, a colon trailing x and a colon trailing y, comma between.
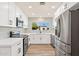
x: 5, y: 51
x: 17, y: 50
x: 35, y: 39
x: 40, y: 38
x: 14, y: 50
x: 53, y: 40
x: 45, y: 38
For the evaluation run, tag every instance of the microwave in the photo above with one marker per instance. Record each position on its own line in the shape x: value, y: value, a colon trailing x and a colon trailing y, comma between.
x: 19, y: 23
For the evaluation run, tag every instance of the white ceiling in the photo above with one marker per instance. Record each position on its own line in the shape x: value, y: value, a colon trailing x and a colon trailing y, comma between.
x: 37, y: 10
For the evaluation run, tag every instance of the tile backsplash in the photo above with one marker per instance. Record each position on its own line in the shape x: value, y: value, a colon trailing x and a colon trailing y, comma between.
x: 4, y: 31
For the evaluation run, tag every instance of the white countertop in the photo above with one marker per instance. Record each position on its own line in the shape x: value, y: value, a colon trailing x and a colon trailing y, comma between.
x: 24, y: 33
x: 34, y: 33
x: 41, y: 33
x: 9, y: 41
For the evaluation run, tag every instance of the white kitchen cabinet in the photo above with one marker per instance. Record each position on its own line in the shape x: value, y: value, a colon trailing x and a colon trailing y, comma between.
x: 12, y: 47
x: 34, y: 39
x: 17, y: 50
x: 25, y: 19
x: 64, y: 7
x: 5, y: 51
x: 45, y: 38
x: 22, y: 16
x: 31, y: 39
x: 8, y: 13
x: 40, y: 38
x: 4, y: 14
x: 12, y: 11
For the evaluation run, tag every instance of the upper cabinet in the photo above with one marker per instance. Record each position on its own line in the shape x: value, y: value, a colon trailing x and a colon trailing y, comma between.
x: 25, y: 19
x: 21, y: 15
x: 64, y: 7
x: 8, y: 13
x: 4, y: 14
x: 12, y: 16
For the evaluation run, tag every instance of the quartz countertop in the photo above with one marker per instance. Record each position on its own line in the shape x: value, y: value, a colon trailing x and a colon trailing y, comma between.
x: 40, y: 33
x: 25, y: 33
x: 34, y: 33
x: 9, y: 41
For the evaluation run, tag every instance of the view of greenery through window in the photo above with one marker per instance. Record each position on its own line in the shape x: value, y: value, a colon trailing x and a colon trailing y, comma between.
x: 37, y: 25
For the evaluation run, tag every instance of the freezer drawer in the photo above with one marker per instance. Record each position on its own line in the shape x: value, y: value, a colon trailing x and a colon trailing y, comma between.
x: 65, y: 47
x: 60, y: 52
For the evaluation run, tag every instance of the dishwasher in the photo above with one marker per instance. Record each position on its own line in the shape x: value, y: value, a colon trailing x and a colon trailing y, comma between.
x: 25, y: 44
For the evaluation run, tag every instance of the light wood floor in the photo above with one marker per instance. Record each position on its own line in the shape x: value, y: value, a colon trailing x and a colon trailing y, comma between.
x: 40, y: 50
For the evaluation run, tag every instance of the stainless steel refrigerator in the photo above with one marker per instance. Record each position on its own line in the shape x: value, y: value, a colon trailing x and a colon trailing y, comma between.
x: 67, y: 44
x: 63, y: 35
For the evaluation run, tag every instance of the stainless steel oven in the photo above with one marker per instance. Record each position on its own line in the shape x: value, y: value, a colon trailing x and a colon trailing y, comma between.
x: 25, y: 45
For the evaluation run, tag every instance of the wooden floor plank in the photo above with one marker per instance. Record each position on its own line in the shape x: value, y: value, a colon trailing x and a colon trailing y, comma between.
x: 41, y: 50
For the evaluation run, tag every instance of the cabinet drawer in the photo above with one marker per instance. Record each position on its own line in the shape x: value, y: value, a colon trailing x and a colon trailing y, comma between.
x: 65, y: 47
x: 60, y: 52
x: 68, y: 49
x: 62, y: 46
x: 45, y: 36
x: 57, y: 43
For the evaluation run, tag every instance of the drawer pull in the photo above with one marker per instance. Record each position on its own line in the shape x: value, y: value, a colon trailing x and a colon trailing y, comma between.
x: 18, y: 43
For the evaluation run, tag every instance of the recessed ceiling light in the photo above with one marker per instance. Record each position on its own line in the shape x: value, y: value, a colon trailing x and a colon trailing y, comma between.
x: 40, y: 16
x: 53, y: 7
x: 40, y: 19
x: 33, y: 13
x: 48, y: 13
x: 29, y: 6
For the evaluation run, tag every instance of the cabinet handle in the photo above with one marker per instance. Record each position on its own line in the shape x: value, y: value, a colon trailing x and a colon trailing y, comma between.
x: 65, y: 6
x: 18, y: 43
x: 40, y: 38
x: 64, y: 54
x: 19, y: 50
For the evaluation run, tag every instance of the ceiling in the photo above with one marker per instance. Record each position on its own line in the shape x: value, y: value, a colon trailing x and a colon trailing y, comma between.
x: 34, y: 9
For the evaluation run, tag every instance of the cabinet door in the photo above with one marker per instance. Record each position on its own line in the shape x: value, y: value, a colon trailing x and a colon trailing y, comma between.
x: 5, y: 51
x: 17, y: 49
x: 25, y: 19
x: 53, y: 40
x: 31, y: 38
x: 4, y: 13
x: 22, y: 16
x: 45, y: 39
x: 70, y: 4
x: 12, y: 18
x: 37, y: 39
